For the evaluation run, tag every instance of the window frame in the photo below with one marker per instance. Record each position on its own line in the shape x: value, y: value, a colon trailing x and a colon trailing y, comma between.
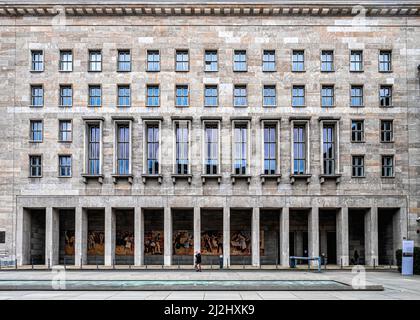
x: 119, y: 51
x: 120, y: 86
x: 362, y: 156
x: 390, y: 88
x: 274, y: 62
x: 146, y: 124
x: 204, y: 146
x: 31, y: 121
x: 87, y: 124
x: 336, y: 141
x: 31, y: 88
x: 217, y: 95
x: 33, y: 62
x: 40, y: 165
x: 275, y: 96
x: 277, y: 124
x: 61, y: 61
x: 235, y: 53
x: 189, y: 144
x: 147, y: 95
x: 65, y: 86
x: 90, y: 61
x: 362, y: 131
x: 362, y: 97
x: 332, y: 97
x: 306, y: 124
x: 117, y: 124
x: 71, y: 131
x: 180, y: 51
x: 383, y: 156
x: 90, y: 86
x: 149, y: 52
x: 248, y: 147
x: 382, y: 132
x: 362, y: 65
x: 322, y: 61
x: 206, y: 51
x: 295, y: 52
x: 304, y: 95
x: 59, y: 165
x: 182, y: 87
x: 242, y: 86
x: 381, y: 52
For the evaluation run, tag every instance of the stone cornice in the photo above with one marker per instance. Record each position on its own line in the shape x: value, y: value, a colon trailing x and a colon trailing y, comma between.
x: 221, y: 8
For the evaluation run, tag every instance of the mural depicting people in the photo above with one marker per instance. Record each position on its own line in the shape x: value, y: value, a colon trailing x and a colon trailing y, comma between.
x: 153, y: 242
x: 96, y: 240
x: 183, y: 243
x: 69, y: 242
x: 124, y: 243
x: 240, y: 243
x: 211, y: 242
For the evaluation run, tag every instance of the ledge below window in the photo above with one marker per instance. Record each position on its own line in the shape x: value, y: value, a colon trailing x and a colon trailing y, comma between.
x: 181, y: 176
x: 294, y: 177
x: 235, y: 177
x: 323, y: 177
x: 116, y: 177
x: 205, y: 177
x: 265, y: 177
x: 158, y: 177
x: 97, y: 177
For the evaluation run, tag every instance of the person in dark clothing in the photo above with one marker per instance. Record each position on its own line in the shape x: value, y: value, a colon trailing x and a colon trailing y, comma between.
x: 198, y: 261
x: 356, y: 257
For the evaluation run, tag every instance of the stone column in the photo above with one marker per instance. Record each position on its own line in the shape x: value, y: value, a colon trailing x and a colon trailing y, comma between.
x: 110, y: 227
x: 167, y: 247
x: 284, y: 237
x: 138, y: 237
x: 226, y: 237
x: 81, y: 226
x: 371, y: 237
x: 23, y: 236
x: 342, y: 231
x: 52, y: 234
x: 255, y: 250
x: 313, y: 232
x: 399, y: 222
x: 197, y: 231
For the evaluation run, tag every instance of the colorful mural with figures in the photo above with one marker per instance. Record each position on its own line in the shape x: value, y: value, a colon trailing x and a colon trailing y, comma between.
x: 69, y: 242
x: 153, y: 242
x: 124, y: 244
x: 96, y: 243
x: 211, y: 242
x: 183, y: 242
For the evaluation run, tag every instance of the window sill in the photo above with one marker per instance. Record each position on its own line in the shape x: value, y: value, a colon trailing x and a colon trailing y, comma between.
x: 181, y: 176
x: 34, y: 141
x: 32, y: 106
x: 64, y: 177
x: 34, y: 177
x: 265, y: 177
x: 294, y: 177
x: 357, y: 71
x: 235, y: 177
x: 123, y: 107
x: 98, y: 177
x: 64, y: 141
x: 356, y: 177
x: 304, y: 106
x: 336, y: 177
x: 393, y: 177
x: 386, y: 107
x: 358, y: 141
x: 269, y: 71
x: 240, y: 71
x: 124, y: 71
x: 116, y: 177
x: 245, y: 106
x: 152, y: 70
x: 385, y: 71
x: 181, y: 107
x: 387, y: 142
x: 327, y: 71
x: 205, y: 177
x: 146, y: 176
x: 211, y: 70
x: 65, y: 106
x: 65, y: 71
x: 357, y: 106
x: 36, y: 71
x: 214, y: 106
x: 270, y: 107
x: 147, y: 106
x: 299, y: 71
x: 95, y: 106
x: 328, y: 107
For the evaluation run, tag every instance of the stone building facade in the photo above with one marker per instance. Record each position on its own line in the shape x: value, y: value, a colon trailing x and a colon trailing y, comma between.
x: 86, y: 180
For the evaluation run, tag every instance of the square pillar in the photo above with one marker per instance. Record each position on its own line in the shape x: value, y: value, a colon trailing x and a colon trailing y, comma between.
x: 313, y: 232
x: 23, y: 236
x: 371, y: 237
x: 138, y: 237
x: 81, y: 226
x: 110, y: 227
x: 284, y: 237
x: 226, y: 237
x: 342, y: 226
x: 167, y: 247
x: 399, y: 222
x: 255, y: 250
x: 52, y: 240
x: 197, y: 231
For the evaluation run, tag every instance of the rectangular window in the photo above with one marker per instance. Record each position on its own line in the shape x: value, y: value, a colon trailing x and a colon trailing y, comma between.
x: 211, y: 152
x: 356, y: 96
x: 65, y: 131
x: 152, y: 142
x: 37, y: 60
x: 37, y: 96
x: 2, y: 236
x: 181, y: 60
x: 66, y: 96
x: 358, y: 166
x: 387, y: 166
x: 329, y: 148
x: 240, y: 161
x: 356, y: 60
x: 124, y: 96
x: 327, y: 61
x: 269, y: 96
x: 36, y: 131
x: 298, y: 60
x: 123, y: 149
x: 240, y: 98
x: 327, y: 96
x: 182, y: 147
x: 210, y: 58
x: 181, y: 99
x: 270, y: 148
x: 385, y: 96
x: 357, y: 131
x: 210, y: 96
x: 124, y: 61
x: 269, y: 61
x: 298, y: 96
x: 385, y: 61
x: 94, y: 149
x: 95, y: 96
x: 95, y: 60
x: 153, y: 60
x: 35, y: 166
x: 64, y: 166
x: 152, y: 96
x: 239, y: 60
x: 387, y: 131
x: 66, y: 60
x: 299, y: 149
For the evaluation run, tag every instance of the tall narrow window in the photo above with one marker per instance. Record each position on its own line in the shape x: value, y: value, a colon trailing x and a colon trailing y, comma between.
x: 387, y: 131
x: 66, y: 60
x: 37, y: 60
x: 270, y: 148
x: 210, y: 96
x: 152, y: 96
x: 327, y: 61
x: 240, y: 98
x: 95, y: 96
x: 358, y: 166
x: 153, y: 60
x: 181, y: 98
x: 356, y: 96
x: 37, y: 96
x: 66, y: 96
x: 64, y: 130
x: 356, y: 60
x: 385, y: 61
x: 36, y: 130
x: 181, y: 60
x: 357, y: 131
x: 123, y: 149
x: 387, y: 166
x: 35, y: 166
x: 269, y: 96
x: 152, y: 141
x: 298, y: 96
x: 95, y: 60
x: 269, y: 61
x: 124, y: 61
x: 94, y: 149
x: 385, y: 96
x: 210, y: 58
x: 239, y: 60
x: 240, y: 163
x: 329, y: 149
x: 298, y: 60
x: 211, y: 160
x: 124, y: 96
x: 182, y: 147
x: 327, y: 96
x: 299, y: 149
x: 64, y: 166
